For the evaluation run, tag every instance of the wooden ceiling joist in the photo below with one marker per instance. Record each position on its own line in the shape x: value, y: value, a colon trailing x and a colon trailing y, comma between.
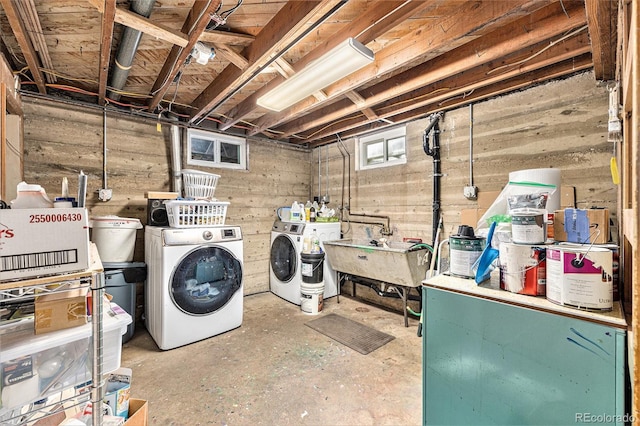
x: 374, y: 23
x: 510, y: 39
x: 108, y: 16
x: 23, y: 39
x: 601, y: 17
x: 423, y: 44
x: 196, y: 23
x: 290, y: 21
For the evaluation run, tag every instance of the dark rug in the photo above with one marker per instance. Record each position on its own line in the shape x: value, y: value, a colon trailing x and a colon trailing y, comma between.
x: 358, y: 337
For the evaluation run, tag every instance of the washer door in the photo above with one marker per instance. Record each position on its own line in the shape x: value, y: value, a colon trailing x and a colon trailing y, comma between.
x: 205, y: 279
x: 284, y: 259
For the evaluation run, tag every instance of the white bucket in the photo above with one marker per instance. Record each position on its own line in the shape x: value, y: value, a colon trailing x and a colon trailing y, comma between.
x: 114, y: 237
x: 311, y: 298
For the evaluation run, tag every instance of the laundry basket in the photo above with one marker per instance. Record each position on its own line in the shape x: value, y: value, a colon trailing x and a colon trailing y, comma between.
x: 199, y: 185
x: 187, y: 213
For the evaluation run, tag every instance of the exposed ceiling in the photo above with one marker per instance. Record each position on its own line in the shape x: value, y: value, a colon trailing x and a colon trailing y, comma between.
x: 429, y: 56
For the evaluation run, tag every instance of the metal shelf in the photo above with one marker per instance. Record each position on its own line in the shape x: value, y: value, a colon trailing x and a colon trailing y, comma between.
x: 93, y: 278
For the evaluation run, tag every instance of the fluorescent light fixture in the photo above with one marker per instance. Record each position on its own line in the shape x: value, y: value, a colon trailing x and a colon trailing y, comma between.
x: 346, y: 58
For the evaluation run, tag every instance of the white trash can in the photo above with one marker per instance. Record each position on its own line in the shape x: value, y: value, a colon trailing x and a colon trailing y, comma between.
x: 114, y: 237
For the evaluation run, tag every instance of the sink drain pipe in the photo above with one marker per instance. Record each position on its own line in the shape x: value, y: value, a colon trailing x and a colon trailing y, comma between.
x: 434, y: 152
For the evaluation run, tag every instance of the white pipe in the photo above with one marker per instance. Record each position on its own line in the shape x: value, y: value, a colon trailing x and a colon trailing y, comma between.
x: 176, y: 159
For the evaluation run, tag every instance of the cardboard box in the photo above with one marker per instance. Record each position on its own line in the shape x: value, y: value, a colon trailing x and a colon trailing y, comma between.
x: 57, y: 311
x: 585, y: 226
x: 471, y: 216
x: 118, y: 391
x: 138, y: 412
x: 38, y: 242
x: 567, y: 197
x: 486, y: 198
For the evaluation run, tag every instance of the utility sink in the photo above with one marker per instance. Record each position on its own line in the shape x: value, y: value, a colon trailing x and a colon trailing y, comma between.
x: 399, y: 263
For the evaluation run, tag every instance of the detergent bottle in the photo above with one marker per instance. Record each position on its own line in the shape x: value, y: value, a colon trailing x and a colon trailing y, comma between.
x: 295, y: 212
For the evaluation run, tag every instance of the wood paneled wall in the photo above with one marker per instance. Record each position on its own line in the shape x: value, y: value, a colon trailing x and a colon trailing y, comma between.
x: 60, y: 140
x: 560, y: 124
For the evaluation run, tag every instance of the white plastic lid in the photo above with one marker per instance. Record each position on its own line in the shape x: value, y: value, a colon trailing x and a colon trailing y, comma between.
x: 115, y: 222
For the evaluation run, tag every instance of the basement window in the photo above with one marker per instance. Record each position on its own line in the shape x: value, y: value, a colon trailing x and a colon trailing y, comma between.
x: 211, y: 149
x: 386, y: 148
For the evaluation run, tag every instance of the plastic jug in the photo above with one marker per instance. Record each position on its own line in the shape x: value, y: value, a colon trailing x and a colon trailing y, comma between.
x: 295, y: 212
x: 30, y: 197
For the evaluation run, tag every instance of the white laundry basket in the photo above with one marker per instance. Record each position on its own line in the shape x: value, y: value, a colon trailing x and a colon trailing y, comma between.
x: 114, y: 237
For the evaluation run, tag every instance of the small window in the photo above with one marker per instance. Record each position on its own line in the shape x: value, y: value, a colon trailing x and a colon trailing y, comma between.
x: 382, y: 149
x: 216, y: 150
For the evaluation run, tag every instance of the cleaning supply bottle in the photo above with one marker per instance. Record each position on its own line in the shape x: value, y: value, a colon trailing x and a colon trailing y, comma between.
x: 312, y: 214
x: 306, y: 244
x: 307, y: 211
x: 315, y: 243
x: 295, y: 212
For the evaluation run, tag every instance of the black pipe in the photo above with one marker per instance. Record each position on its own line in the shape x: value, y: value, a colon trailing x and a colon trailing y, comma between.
x: 437, y: 174
x: 374, y: 285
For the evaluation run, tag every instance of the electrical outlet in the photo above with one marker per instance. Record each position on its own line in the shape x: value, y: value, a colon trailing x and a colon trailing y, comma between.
x: 105, y: 194
x: 470, y: 192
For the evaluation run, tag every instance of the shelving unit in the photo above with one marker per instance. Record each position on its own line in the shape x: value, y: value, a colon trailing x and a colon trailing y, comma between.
x: 92, y: 278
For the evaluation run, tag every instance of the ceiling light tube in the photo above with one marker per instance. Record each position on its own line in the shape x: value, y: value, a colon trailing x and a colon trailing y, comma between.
x: 346, y: 58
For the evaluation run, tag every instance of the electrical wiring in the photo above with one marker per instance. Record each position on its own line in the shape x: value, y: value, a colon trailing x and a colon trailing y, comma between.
x: 553, y: 43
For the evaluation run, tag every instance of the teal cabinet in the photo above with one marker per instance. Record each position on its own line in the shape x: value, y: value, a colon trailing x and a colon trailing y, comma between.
x: 493, y: 357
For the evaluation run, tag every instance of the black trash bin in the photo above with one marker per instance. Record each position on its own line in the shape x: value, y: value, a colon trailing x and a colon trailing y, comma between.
x: 120, y: 279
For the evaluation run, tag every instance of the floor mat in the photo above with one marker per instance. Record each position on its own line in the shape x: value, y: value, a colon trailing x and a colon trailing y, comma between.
x: 358, y: 337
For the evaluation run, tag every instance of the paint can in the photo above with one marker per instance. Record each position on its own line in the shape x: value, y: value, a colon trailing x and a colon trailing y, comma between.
x: 464, y: 249
x: 311, y: 300
x: 528, y: 227
x: 523, y: 269
x: 580, y: 276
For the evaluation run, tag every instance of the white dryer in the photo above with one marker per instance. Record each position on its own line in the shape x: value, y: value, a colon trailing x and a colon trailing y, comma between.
x: 194, y: 285
x: 284, y: 262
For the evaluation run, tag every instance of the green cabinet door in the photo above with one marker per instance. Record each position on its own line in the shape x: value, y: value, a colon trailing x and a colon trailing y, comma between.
x: 488, y: 362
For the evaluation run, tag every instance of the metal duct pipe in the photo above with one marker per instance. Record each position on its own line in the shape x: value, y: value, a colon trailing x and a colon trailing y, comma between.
x: 127, y: 49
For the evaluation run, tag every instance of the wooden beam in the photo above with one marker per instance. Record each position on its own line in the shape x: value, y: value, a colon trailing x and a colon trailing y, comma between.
x: 373, y: 23
x: 511, y: 38
x: 427, y: 44
x: 194, y: 26
x: 360, y: 103
x: 226, y: 37
x: 601, y: 18
x: 474, y: 85
x: 230, y: 55
x: 106, y: 37
x: 146, y: 26
x: 24, y: 41
x: 290, y: 21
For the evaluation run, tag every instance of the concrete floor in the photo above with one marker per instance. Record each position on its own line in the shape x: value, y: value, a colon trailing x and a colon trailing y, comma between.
x: 274, y: 370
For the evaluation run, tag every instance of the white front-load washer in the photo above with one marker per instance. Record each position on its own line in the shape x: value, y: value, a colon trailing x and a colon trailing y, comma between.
x: 287, y: 239
x: 194, y: 286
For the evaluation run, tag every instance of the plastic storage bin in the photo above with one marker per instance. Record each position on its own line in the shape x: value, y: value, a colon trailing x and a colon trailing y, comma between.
x: 120, y: 281
x: 114, y: 237
x: 34, y: 367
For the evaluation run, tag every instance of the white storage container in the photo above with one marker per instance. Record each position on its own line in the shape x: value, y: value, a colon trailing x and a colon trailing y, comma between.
x: 36, y: 366
x: 115, y: 237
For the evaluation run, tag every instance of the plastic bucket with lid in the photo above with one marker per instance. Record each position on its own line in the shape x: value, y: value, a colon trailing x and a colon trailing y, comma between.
x: 311, y: 267
x: 114, y: 237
